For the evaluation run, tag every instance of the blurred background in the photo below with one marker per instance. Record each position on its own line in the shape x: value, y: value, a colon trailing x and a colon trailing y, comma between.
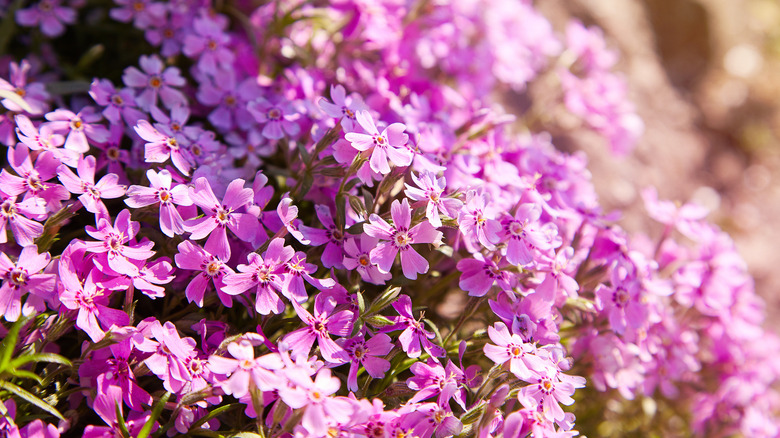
x: 705, y: 77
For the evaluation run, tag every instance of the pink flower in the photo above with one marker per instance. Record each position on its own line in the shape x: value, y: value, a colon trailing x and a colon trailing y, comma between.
x: 344, y: 108
x: 12, y: 214
x: 315, y: 397
x: 550, y: 388
x: 391, y: 143
x: 31, y: 179
x: 209, y: 43
x: 414, y: 334
x: 155, y: 80
x: 245, y: 370
x: 522, y: 358
x: 160, y: 146
x: 112, y: 240
x: 318, y: 326
x: 523, y: 236
x: 92, y: 194
x: 34, y: 93
x: 143, y: 13
x: 212, y: 270
x: 161, y: 192
x: 399, y: 238
x: 479, y: 275
x: 119, y: 104
x: 22, y: 277
x: 94, y: 316
x: 79, y: 127
x: 49, y: 14
x: 278, y: 118
x: 369, y: 353
x: 477, y: 223
x: 430, y: 191
x: 358, y: 257
x: 265, y: 273
x: 45, y: 139
x: 220, y: 216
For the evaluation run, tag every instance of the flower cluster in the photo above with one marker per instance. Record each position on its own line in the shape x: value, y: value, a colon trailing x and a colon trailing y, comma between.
x: 229, y: 240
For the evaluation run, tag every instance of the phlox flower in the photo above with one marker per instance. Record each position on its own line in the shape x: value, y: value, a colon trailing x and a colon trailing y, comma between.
x: 105, y: 406
x: 369, y: 353
x: 296, y: 271
x: 288, y: 214
x: 622, y: 300
x: 430, y: 190
x: 49, y: 14
x: 331, y: 237
x: 160, y: 191
x: 44, y: 138
x: 147, y: 280
x: 318, y: 326
x: 79, y: 127
x: 245, y: 371
x: 414, y: 334
x: 211, y: 269
x: 523, y: 236
x: 155, y: 80
x: 557, y: 279
x: 477, y: 223
x: 399, y: 238
x: 358, y: 257
x: 110, y: 370
x: 163, y: 145
x: 111, y: 248
x: 143, y: 13
x: 343, y: 107
x: 316, y: 397
x: 12, y: 215
x: 168, y: 360
x: 119, y: 104
x: 265, y: 273
x: 94, y: 316
x: 432, y: 378
x: 33, y: 93
x: 209, y: 43
x: 229, y: 100
x: 429, y: 419
x: 522, y: 358
x: 549, y: 390
x: 390, y: 144
x: 278, y: 118
x: 92, y: 194
x: 22, y: 277
x: 479, y: 275
x: 221, y: 215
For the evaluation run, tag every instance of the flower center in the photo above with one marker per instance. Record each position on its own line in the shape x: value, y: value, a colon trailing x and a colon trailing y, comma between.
x: 212, y: 268
x: 246, y: 364
x: 363, y: 260
x: 76, y: 124
x: 230, y: 100
x: 8, y: 209
x: 402, y: 239
x: 164, y: 196
x: 514, y: 350
x: 316, y: 396
x: 18, y: 277
x: 222, y: 215
x: 212, y: 45
x: 172, y: 143
x: 20, y: 91
x: 34, y: 182
x: 348, y: 113
x: 117, y: 100
x: 155, y: 82
x: 274, y: 114
x: 113, y: 153
x: 139, y: 6
x: 380, y: 141
x: 620, y: 297
x: 114, y: 243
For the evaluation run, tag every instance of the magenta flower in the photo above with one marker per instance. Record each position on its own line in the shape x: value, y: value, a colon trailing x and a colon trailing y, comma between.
x: 623, y: 301
x: 212, y: 271
x: 390, y: 144
x: 49, y: 14
x: 169, y: 360
x: 432, y: 378
x: 399, y: 238
x: 429, y: 419
x: 119, y: 104
x: 79, y: 127
x: 477, y: 223
x: 369, y: 353
x: 229, y: 100
x: 12, y: 214
x: 143, y: 13
x: 557, y: 278
x: 109, y: 370
x: 358, y: 257
x: 245, y: 370
x: 94, y: 315
x: 430, y: 191
x: 414, y: 334
x: 209, y: 43
x: 331, y: 237
x: 111, y: 243
x: 549, y: 389
x: 318, y: 327
x: 296, y: 271
x: 522, y: 358
x: 278, y: 118
x: 315, y: 397
x: 45, y: 139
x: 163, y: 145
x: 343, y: 107
x: 480, y: 274
x: 92, y: 194
x: 22, y: 277
x: 168, y: 197
x: 34, y: 93
x: 220, y: 216
x: 265, y: 273
x: 154, y: 81
x: 523, y: 235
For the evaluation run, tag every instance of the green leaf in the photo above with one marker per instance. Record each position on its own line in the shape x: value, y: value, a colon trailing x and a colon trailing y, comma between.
x: 205, y: 432
x: 9, y: 343
x: 30, y: 398
x: 120, y: 421
x: 247, y: 435
x: 156, y: 411
x: 40, y: 357
x: 215, y: 412
x: 24, y: 374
